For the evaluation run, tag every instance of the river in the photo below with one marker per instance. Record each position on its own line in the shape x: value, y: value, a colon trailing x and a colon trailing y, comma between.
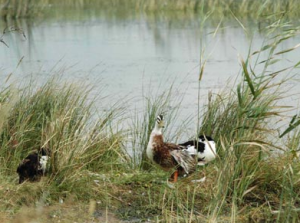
x: 134, y: 55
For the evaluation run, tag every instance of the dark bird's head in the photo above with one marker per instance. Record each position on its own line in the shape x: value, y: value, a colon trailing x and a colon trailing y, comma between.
x: 202, y: 138
x: 44, y: 151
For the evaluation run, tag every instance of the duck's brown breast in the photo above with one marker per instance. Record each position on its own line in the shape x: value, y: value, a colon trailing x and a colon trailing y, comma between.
x: 161, y: 153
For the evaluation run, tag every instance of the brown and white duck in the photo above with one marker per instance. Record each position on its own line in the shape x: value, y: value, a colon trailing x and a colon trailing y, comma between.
x: 183, y: 158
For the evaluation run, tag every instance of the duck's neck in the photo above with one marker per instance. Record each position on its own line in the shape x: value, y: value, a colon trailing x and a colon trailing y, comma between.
x: 156, y: 138
x: 157, y: 130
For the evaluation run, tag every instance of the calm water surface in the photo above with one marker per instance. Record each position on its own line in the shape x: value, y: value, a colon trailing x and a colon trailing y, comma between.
x: 128, y: 55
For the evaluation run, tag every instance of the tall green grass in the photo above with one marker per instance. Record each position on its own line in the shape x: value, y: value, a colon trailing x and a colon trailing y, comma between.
x: 60, y: 117
x: 255, y: 173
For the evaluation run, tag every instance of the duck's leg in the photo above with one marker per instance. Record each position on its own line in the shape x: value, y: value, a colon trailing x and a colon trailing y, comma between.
x: 173, y: 179
x: 175, y: 176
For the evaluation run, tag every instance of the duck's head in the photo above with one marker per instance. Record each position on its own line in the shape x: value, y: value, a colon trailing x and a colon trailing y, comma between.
x: 159, y: 124
x: 44, y: 151
x: 203, y: 139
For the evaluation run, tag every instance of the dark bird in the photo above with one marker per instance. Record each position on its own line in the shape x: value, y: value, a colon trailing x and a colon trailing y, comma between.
x: 33, y: 166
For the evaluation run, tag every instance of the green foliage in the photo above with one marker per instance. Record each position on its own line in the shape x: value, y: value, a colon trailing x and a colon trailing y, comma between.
x: 252, y: 172
x: 58, y: 117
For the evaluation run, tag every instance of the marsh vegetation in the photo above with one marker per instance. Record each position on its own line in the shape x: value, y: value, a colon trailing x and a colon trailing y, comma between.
x: 98, y: 171
x: 256, y: 8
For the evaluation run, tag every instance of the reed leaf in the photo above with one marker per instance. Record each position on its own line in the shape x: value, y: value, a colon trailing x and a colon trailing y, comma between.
x: 247, y: 77
x: 288, y: 50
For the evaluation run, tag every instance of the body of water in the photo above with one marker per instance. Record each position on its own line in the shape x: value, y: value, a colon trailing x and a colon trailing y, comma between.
x: 132, y: 55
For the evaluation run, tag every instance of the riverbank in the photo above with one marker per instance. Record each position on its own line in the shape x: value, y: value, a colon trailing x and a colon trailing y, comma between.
x: 92, y: 177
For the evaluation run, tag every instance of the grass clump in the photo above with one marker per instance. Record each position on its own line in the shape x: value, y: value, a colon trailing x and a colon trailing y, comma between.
x: 61, y: 118
x: 255, y: 178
